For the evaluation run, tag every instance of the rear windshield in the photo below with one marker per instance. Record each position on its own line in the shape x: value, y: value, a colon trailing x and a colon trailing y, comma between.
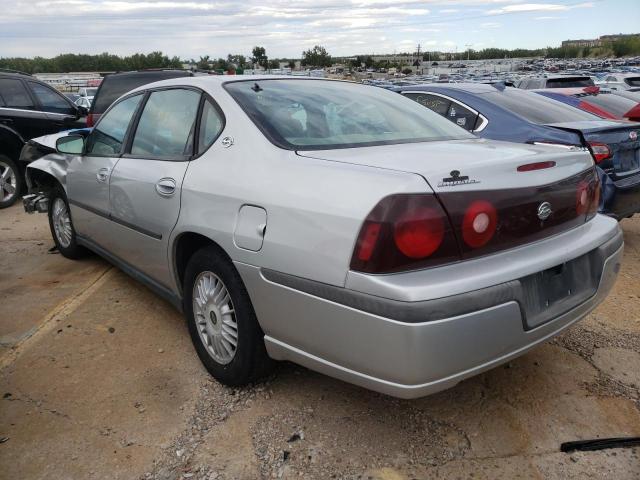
x: 316, y: 114
x: 611, y: 103
x: 633, y: 81
x: 116, y: 85
x: 536, y: 108
x: 569, y: 82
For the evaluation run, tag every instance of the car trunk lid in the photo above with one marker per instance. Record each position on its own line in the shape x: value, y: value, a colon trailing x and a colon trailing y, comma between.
x: 621, y: 138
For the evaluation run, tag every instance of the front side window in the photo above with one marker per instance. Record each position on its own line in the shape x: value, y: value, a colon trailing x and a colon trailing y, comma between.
x: 107, y: 137
x: 167, y: 125
x: 302, y: 114
x: 15, y: 94
x: 211, y: 125
x: 50, y: 100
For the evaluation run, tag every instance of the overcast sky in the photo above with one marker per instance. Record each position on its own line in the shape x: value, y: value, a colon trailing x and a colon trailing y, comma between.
x: 190, y: 28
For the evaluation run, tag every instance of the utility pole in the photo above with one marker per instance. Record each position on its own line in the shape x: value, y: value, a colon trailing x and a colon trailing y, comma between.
x: 468, y: 45
x: 419, y: 58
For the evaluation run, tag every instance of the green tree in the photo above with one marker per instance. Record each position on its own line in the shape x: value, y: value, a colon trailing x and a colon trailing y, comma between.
x: 316, y: 57
x: 259, y: 57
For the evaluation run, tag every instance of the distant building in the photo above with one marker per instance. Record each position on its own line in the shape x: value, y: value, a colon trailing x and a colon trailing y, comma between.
x: 597, y: 42
x: 582, y: 43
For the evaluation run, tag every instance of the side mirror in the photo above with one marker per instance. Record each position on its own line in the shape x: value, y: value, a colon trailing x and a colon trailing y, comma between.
x: 82, y: 111
x: 72, y: 144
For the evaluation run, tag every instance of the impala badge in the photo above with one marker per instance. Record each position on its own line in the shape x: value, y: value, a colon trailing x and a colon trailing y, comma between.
x: 227, y: 142
x: 544, y: 211
x: 633, y: 136
x: 456, y: 179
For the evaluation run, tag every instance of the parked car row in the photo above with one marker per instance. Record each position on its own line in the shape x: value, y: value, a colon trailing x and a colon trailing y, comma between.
x: 344, y: 227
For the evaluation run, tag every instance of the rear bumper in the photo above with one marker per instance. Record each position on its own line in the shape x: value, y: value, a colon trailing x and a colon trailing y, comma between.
x: 620, y: 198
x: 457, y: 337
x: 625, y: 198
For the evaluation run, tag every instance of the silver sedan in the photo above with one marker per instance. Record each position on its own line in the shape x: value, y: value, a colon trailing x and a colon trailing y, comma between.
x: 336, y: 225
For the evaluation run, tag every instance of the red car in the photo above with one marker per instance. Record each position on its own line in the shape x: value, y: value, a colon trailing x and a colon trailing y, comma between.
x: 604, y: 103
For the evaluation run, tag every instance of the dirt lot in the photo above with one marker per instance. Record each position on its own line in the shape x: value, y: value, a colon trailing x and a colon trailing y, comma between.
x: 99, y: 380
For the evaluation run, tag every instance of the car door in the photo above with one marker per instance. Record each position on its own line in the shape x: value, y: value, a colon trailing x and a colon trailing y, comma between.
x: 19, y: 111
x: 88, y: 174
x: 146, y: 183
x: 59, y: 112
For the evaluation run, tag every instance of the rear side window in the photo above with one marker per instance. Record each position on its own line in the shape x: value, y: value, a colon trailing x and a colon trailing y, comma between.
x: 15, y: 94
x: 570, y: 82
x: 452, y: 111
x: 536, y: 108
x: 633, y: 81
x: 50, y: 100
x: 167, y: 125
x: 211, y: 125
x: 107, y: 137
x: 438, y: 104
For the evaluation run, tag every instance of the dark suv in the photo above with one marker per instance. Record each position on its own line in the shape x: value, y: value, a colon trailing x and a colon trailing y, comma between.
x: 117, y: 84
x: 28, y: 108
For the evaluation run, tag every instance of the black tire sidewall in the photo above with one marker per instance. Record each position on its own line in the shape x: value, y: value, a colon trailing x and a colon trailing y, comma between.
x: 73, y: 251
x: 250, y: 352
x: 19, y: 181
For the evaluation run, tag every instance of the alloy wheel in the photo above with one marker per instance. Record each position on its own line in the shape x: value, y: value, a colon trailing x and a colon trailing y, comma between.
x: 62, y: 222
x: 8, y: 182
x: 215, y: 317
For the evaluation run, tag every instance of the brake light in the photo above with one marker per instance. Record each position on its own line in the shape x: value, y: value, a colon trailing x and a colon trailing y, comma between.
x: 592, y: 89
x: 528, y: 167
x: 479, y: 223
x: 405, y: 232
x: 419, y: 233
x: 600, y: 151
x: 588, y: 197
x: 90, y: 120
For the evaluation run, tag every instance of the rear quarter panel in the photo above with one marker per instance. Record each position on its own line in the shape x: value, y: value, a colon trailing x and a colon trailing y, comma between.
x: 314, y: 207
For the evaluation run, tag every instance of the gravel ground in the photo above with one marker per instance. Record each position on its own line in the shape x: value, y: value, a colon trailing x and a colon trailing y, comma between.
x: 105, y: 384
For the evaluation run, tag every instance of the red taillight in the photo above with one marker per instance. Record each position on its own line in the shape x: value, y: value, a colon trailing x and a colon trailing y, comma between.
x: 479, y: 223
x: 591, y: 89
x: 419, y: 233
x: 601, y: 151
x: 90, y: 120
x: 369, y: 239
x: 588, y: 197
x: 405, y: 232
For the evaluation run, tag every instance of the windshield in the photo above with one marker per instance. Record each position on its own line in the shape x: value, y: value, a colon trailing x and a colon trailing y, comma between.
x: 316, y: 114
x: 536, y: 108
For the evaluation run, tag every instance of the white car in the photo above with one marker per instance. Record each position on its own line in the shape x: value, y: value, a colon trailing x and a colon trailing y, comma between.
x: 621, y: 81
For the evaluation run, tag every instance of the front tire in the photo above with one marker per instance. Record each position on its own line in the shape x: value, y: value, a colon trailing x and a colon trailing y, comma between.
x: 221, y: 320
x: 62, y: 231
x: 10, y: 182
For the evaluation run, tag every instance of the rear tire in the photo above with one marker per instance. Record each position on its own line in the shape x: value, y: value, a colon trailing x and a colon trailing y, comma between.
x: 61, y: 225
x: 221, y: 320
x: 10, y: 182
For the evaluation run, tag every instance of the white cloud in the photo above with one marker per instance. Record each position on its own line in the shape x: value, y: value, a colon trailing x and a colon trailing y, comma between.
x: 537, y: 7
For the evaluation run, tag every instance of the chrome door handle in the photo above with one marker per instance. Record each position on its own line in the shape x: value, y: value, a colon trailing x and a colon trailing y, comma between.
x: 102, y: 175
x: 166, y: 187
